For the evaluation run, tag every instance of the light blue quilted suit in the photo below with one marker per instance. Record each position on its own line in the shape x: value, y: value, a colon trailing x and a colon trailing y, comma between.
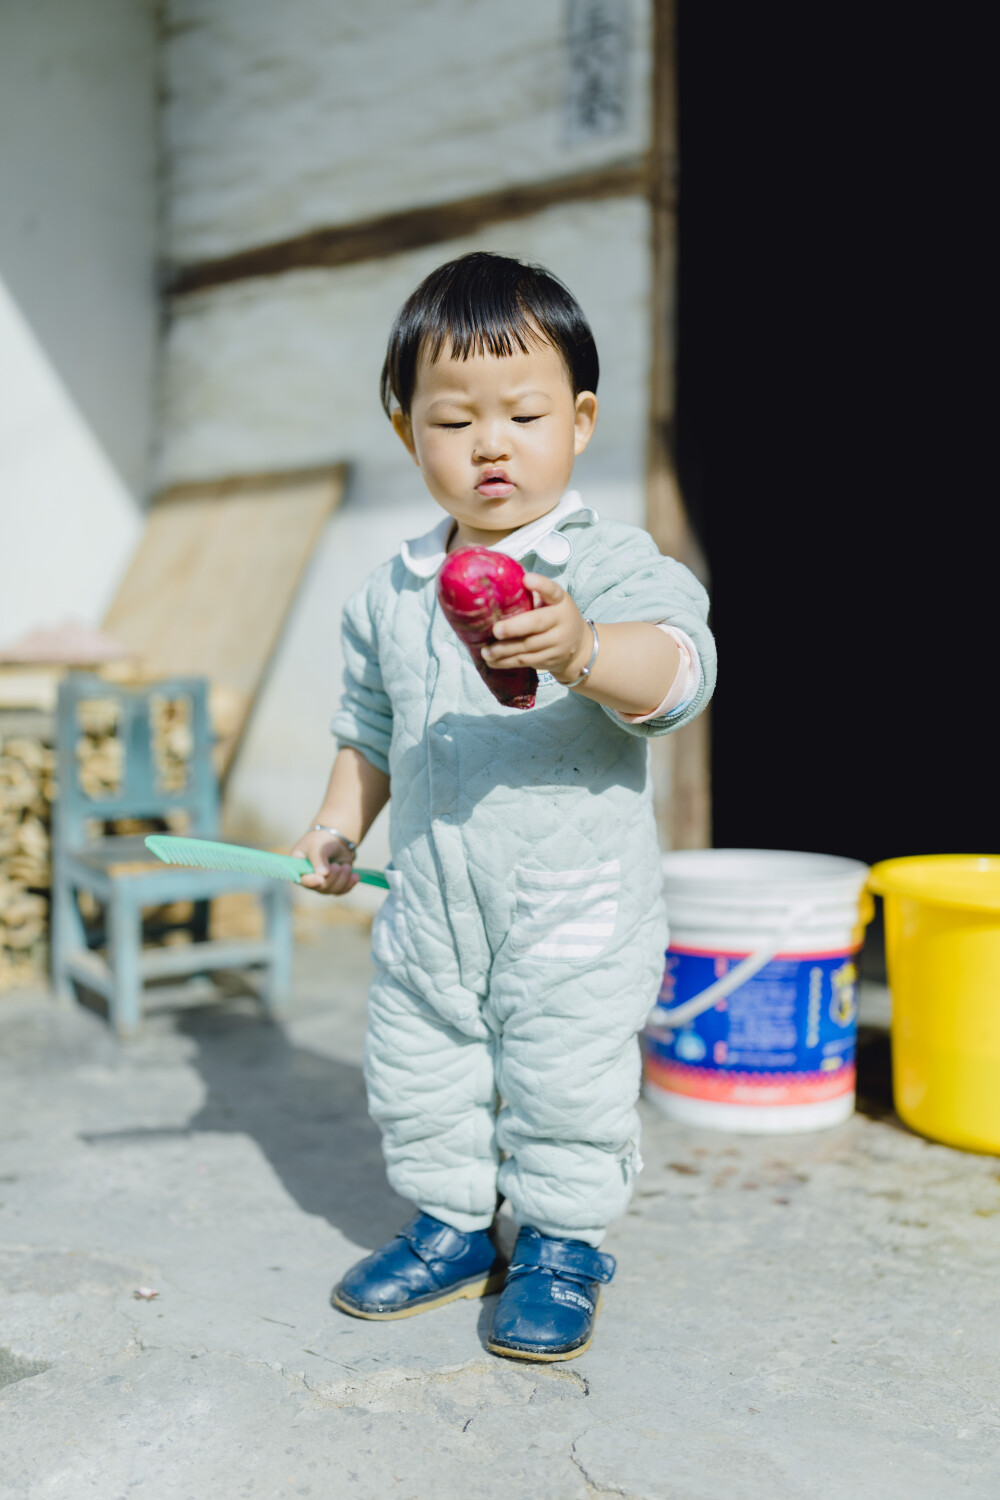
x: 521, y: 946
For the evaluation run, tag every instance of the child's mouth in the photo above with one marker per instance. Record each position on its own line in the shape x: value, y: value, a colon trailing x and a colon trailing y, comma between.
x: 494, y: 485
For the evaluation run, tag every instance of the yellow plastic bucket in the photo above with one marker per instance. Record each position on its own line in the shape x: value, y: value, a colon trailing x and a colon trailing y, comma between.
x: 942, y: 936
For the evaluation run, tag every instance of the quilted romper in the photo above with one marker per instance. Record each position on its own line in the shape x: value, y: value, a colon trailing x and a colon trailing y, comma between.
x: 520, y: 948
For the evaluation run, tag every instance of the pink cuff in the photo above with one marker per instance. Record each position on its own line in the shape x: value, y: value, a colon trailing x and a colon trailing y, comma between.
x: 686, y: 678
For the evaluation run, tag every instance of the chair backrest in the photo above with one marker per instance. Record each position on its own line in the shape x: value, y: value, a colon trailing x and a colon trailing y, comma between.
x: 146, y: 780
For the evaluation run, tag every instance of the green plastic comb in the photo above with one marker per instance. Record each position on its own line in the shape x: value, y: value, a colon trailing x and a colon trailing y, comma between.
x: 209, y: 856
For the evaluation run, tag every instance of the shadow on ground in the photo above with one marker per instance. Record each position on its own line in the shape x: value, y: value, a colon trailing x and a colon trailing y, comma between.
x: 306, y: 1112
x: 874, y: 1082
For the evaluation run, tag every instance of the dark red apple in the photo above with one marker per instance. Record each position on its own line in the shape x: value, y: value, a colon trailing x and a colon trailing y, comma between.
x: 477, y: 588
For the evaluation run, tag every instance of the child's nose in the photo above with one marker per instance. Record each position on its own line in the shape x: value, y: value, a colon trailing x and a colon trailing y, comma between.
x: 491, y: 444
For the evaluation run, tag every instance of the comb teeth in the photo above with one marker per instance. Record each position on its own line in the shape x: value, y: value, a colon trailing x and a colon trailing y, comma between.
x: 205, y: 854
x: 208, y: 855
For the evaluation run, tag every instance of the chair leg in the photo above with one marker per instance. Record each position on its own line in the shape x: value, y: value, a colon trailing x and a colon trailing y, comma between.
x: 200, y: 921
x: 124, y: 946
x: 276, y: 989
x: 67, y: 935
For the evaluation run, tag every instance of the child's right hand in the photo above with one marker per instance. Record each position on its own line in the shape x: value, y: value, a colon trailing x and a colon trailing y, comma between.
x: 331, y: 861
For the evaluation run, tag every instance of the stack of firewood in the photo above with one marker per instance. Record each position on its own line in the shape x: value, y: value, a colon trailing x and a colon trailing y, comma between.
x: 27, y: 793
x: 173, y: 740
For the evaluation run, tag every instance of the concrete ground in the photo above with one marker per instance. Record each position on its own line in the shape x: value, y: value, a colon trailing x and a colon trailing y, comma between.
x: 812, y: 1316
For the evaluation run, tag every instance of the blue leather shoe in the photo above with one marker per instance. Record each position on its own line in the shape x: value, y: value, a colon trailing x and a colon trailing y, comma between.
x: 550, y: 1301
x: 426, y: 1265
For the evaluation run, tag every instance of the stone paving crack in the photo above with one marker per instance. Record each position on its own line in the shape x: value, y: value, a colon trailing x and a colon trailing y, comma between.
x: 594, y: 1487
x: 296, y: 1377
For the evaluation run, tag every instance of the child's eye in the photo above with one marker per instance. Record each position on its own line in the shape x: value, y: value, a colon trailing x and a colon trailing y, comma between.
x: 528, y: 419
x: 451, y: 424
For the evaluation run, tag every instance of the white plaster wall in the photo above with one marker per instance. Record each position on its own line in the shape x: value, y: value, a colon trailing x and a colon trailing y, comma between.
x: 78, y: 206
x: 283, y: 117
x: 68, y: 525
x: 281, y: 372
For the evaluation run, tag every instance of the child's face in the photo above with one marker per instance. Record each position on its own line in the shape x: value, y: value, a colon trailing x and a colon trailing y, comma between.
x: 495, y: 438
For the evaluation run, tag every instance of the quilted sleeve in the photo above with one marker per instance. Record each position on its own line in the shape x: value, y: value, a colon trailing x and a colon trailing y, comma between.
x: 364, y: 718
x: 630, y: 579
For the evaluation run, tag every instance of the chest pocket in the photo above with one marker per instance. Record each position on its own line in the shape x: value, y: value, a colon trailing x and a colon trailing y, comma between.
x: 389, y: 927
x: 566, y: 916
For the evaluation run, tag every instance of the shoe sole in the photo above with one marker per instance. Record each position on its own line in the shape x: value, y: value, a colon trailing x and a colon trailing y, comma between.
x: 506, y: 1351
x: 484, y: 1287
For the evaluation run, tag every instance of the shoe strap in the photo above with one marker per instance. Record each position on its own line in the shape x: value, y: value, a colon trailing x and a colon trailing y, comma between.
x: 570, y: 1258
x: 431, y: 1240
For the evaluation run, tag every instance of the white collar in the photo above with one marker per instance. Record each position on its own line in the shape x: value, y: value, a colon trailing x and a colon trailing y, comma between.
x: 425, y: 554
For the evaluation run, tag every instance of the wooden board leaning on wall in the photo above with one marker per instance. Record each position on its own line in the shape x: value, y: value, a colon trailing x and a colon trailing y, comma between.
x: 214, y: 576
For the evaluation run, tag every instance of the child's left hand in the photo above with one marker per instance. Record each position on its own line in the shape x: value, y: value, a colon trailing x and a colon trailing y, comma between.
x: 552, y: 638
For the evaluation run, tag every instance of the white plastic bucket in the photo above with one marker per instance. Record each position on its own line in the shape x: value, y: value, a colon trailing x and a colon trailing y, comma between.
x: 755, y: 1028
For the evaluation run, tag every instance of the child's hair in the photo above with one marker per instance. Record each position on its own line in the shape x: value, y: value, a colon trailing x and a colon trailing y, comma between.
x: 483, y: 302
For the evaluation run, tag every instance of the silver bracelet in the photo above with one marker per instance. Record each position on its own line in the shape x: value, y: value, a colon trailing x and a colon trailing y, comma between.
x: 590, y: 665
x: 348, y: 843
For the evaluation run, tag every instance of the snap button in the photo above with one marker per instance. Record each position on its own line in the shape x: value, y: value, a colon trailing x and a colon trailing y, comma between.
x: 440, y: 729
x: 445, y: 818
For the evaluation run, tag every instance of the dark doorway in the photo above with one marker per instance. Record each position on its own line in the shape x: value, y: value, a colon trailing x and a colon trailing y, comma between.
x: 829, y: 416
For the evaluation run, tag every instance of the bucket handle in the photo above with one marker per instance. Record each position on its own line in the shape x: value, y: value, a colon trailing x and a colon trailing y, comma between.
x: 744, y: 971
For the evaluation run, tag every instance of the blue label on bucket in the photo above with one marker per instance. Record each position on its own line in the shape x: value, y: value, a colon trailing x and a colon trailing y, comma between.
x: 791, y: 1029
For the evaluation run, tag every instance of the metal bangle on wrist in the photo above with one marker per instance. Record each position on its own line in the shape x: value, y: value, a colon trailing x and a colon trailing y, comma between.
x: 590, y: 665
x: 336, y: 833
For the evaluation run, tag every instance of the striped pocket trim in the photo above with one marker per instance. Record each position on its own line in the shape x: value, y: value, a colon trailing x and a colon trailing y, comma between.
x: 566, y: 914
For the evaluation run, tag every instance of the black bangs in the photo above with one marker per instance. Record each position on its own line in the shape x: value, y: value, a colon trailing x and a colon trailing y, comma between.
x: 481, y: 304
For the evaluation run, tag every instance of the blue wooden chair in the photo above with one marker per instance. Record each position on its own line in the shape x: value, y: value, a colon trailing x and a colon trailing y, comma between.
x: 122, y: 875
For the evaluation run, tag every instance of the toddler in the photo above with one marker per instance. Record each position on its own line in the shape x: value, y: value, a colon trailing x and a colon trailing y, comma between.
x: 521, y: 946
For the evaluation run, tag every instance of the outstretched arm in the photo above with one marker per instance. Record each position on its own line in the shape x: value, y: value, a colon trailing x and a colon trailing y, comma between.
x: 355, y: 795
x: 635, y: 666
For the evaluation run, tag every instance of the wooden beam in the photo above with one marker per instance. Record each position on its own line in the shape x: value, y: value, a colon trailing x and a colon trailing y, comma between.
x: 411, y: 228
x: 682, y: 776
x: 666, y: 518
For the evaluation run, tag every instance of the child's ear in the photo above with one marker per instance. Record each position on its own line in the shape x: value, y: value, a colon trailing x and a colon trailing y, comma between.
x: 404, y: 431
x: 584, y: 421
